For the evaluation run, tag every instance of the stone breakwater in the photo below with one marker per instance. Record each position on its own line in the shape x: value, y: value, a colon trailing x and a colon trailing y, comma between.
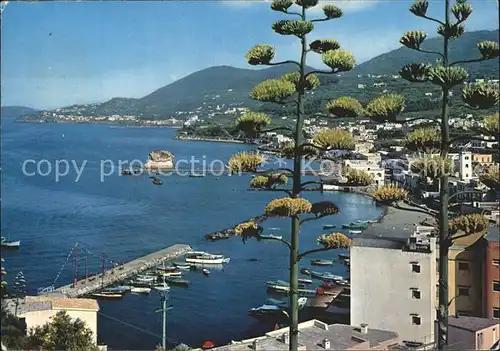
x: 229, y: 232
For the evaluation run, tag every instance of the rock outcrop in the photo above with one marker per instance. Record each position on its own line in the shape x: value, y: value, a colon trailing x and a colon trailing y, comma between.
x: 229, y: 232
x: 160, y: 159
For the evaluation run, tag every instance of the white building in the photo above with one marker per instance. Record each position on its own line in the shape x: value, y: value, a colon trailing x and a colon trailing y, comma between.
x: 393, y: 285
x: 369, y: 167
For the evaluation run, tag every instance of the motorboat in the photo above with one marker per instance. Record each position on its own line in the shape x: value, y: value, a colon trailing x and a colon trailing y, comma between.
x: 157, y: 181
x: 10, y: 244
x: 162, y: 287
x: 328, y: 285
x: 171, y: 274
x: 176, y: 281
x: 140, y: 290
x: 206, y: 272
x: 329, y: 226
x: 167, y: 268
x: 305, y: 281
x: 265, y: 311
x: 182, y: 265
x: 355, y: 225
x: 326, y: 276
x: 116, y: 290
x: 322, y: 262
x: 206, y: 258
x: 355, y: 231
x: 343, y: 256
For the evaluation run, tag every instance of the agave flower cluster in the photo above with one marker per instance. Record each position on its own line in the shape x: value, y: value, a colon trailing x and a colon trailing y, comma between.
x: 358, y: 177
x: 490, y: 177
x: 245, y: 162
x: 269, y: 182
x: 425, y: 139
x: 334, y: 241
x: 469, y: 224
x: 388, y: 195
x: 287, y: 207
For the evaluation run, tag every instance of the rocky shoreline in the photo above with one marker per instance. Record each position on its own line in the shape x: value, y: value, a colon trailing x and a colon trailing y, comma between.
x: 229, y: 232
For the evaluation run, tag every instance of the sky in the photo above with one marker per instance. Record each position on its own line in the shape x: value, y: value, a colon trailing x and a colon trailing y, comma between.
x: 56, y: 54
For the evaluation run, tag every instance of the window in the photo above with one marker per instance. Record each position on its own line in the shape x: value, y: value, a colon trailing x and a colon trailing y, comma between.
x: 496, y: 312
x: 463, y: 266
x: 463, y: 291
x: 466, y: 157
x: 479, y: 341
x: 415, y: 320
x: 415, y: 268
x: 466, y: 175
x: 415, y: 294
x: 496, y: 262
x: 466, y: 165
x: 496, y: 285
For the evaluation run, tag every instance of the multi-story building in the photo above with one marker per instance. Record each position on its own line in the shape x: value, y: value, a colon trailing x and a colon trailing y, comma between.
x: 491, y: 296
x: 393, y: 285
x: 482, y: 158
x: 369, y: 167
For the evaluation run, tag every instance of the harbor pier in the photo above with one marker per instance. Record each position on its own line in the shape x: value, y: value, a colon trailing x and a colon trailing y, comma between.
x: 120, y: 273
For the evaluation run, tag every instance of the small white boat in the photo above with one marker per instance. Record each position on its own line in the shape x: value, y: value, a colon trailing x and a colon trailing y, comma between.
x: 355, y: 231
x: 206, y: 258
x: 162, y: 287
x: 206, y: 272
x: 270, y: 236
x: 140, y: 290
x: 172, y: 274
x: 103, y: 295
x: 12, y: 244
x: 305, y: 281
x: 145, y: 278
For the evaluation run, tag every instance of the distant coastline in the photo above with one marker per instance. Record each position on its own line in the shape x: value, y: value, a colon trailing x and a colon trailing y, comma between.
x: 109, y: 123
x: 232, y: 141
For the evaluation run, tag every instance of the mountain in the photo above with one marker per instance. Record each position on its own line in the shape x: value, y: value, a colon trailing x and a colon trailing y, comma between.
x: 462, y: 49
x: 203, y: 91
x: 16, y: 111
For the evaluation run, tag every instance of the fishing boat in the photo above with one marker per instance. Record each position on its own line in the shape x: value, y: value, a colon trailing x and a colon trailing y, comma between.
x: 10, y: 244
x: 111, y: 296
x: 140, y: 290
x: 167, y: 268
x: 305, y: 281
x: 347, y: 262
x: 326, y: 276
x: 280, y: 285
x: 329, y: 226
x: 206, y: 272
x: 355, y: 231
x: 305, y: 271
x: 206, y: 258
x: 136, y: 283
x: 270, y: 236
x: 322, y: 262
x: 162, y: 287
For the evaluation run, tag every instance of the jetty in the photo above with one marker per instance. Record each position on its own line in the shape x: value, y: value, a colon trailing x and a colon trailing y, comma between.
x: 120, y: 273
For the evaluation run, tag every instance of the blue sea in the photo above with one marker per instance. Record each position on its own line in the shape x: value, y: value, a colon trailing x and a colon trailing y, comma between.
x: 125, y: 217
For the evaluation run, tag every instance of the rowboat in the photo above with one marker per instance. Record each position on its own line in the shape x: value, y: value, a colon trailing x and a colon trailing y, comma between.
x: 206, y: 272
x: 162, y: 287
x: 355, y: 225
x: 305, y: 281
x: 265, y: 311
x: 140, y: 290
x: 355, y: 231
x: 182, y: 265
x: 329, y: 226
x: 321, y: 262
x: 116, y: 290
x: 167, y: 268
x: 343, y: 256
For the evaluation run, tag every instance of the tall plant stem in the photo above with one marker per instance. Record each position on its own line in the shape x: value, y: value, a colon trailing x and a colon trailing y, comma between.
x: 443, y: 210
x: 294, y: 260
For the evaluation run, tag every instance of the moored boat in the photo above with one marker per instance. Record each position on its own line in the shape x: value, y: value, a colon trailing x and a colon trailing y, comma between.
x: 206, y: 258
x: 305, y: 271
x: 206, y: 272
x: 171, y: 274
x: 167, y: 268
x: 182, y: 265
x: 271, y: 236
x: 322, y: 262
x: 177, y: 281
x: 305, y: 281
x: 146, y: 278
x: 343, y: 256
x: 326, y: 276
x: 265, y: 311
x: 329, y: 226
x: 103, y: 295
x: 355, y: 231
x: 10, y: 244
x: 162, y: 287
x: 140, y: 290
x: 116, y: 290
x: 355, y: 225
